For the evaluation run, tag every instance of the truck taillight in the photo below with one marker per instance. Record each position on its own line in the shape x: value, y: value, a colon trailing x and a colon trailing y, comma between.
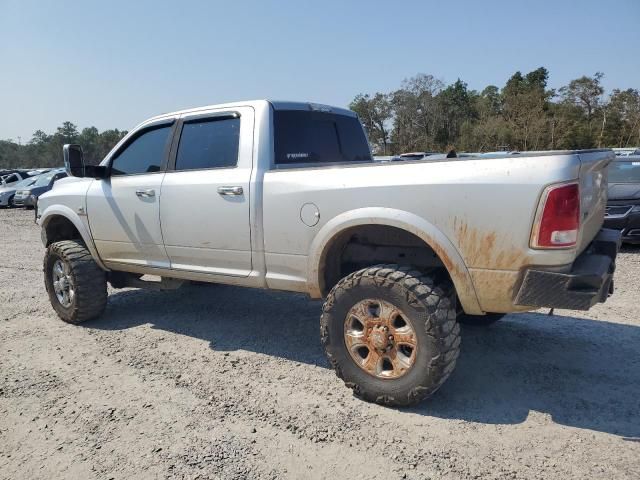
x: 559, y: 222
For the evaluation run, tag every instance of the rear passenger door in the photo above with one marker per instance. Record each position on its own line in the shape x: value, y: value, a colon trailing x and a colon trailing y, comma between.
x: 204, y: 210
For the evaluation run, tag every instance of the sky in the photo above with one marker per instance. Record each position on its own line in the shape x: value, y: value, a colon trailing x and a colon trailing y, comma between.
x: 113, y: 63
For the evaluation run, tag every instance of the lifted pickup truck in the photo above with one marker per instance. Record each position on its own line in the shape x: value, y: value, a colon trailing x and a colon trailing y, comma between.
x: 286, y: 196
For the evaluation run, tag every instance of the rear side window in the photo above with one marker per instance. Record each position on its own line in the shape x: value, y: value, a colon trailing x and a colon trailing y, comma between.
x: 144, y: 154
x: 210, y: 143
x: 318, y: 137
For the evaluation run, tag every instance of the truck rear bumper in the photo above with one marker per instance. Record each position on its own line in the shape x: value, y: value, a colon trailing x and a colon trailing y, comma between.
x: 589, y: 281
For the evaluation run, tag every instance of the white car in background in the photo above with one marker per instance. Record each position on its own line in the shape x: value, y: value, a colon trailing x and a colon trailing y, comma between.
x: 12, y: 179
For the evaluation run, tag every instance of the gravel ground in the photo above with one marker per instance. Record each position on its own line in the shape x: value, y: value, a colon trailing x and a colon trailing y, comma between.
x: 225, y: 382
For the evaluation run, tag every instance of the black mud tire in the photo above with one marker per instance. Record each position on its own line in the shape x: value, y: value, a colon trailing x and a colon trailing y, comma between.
x: 10, y: 203
x: 90, y: 281
x: 430, y: 306
x: 480, y: 320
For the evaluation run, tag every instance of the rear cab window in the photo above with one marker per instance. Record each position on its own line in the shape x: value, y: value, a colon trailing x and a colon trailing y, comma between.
x: 316, y: 138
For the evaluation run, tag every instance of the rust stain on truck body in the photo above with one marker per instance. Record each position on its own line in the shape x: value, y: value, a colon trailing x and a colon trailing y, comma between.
x: 494, y: 264
x: 484, y: 249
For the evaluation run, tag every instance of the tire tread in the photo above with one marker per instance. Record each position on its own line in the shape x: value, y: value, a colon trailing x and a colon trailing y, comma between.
x: 89, y: 279
x: 435, y: 295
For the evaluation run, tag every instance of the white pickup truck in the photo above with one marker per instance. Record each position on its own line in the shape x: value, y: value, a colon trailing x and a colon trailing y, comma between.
x: 286, y: 196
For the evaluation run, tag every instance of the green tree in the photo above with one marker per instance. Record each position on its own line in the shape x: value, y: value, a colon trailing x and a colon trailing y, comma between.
x: 457, y: 108
x: 417, y: 113
x: 375, y: 113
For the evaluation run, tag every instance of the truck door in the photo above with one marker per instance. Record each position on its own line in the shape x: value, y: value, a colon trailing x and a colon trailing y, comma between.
x: 124, y: 209
x: 204, y: 209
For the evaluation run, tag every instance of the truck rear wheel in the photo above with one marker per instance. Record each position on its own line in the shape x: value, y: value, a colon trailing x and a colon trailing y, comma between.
x: 391, y: 333
x: 76, y: 285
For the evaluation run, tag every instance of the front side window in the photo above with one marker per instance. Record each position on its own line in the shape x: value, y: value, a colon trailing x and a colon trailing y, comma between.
x: 144, y: 154
x: 209, y: 143
x: 318, y: 137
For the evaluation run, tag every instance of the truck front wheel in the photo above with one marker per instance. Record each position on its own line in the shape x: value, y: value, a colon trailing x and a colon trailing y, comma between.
x: 76, y: 285
x: 391, y: 333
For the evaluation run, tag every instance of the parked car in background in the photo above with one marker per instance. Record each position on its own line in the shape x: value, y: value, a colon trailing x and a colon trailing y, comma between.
x: 625, y: 152
x: 500, y: 153
x: 27, y: 197
x: 7, y: 193
x: 13, y: 178
x: 413, y: 156
x: 623, y: 206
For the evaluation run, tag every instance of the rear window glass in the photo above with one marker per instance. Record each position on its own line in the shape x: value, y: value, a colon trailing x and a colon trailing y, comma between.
x: 318, y: 137
x: 11, y: 178
x: 211, y: 143
x: 624, y: 172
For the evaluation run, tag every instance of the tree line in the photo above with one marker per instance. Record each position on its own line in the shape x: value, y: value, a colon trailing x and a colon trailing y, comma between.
x: 44, y: 150
x: 425, y: 114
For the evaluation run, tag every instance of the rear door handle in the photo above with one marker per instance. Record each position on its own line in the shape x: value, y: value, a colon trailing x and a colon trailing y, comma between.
x: 230, y: 190
x: 148, y: 193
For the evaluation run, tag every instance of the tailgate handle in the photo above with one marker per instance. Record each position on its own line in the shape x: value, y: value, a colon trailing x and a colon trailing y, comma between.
x: 230, y: 190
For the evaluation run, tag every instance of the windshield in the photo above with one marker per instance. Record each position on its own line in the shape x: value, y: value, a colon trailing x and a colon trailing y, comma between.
x: 625, y: 171
x: 26, y: 182
x: 44, y: 180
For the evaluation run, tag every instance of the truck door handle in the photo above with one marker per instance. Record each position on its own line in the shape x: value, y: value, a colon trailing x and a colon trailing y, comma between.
x: 230, y: 190
x: 148, y: 193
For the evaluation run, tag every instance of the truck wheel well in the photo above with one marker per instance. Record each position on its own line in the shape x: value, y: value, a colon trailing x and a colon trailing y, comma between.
x: 60, y: 228
x: 362, y: 246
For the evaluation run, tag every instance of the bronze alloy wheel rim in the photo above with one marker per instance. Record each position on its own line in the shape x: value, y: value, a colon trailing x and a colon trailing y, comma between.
x: 380, y: 339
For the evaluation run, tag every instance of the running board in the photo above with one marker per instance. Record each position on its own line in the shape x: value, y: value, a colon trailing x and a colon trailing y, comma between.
x: 129, y: 280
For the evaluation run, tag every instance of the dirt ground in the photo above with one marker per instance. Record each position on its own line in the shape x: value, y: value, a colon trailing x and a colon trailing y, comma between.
x: 225, y: 382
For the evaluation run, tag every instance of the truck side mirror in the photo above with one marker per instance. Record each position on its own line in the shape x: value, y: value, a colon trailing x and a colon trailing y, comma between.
x: 73, y: 160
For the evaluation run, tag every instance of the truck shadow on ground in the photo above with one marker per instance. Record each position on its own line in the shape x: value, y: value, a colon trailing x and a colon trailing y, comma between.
x: 580, y: 372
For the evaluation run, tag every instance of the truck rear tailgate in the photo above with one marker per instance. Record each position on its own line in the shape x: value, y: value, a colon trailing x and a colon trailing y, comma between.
x: 593, y: 191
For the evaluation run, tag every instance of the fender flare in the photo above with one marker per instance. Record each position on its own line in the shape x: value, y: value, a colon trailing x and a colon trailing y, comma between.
x: 407, y: 221
x: 74, y: 218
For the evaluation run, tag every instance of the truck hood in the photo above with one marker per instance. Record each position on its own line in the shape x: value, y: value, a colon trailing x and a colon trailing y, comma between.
x: 68, y: 180
x: 624, y: 191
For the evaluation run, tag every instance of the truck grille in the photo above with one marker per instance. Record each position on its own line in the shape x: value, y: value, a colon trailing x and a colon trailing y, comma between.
x: 616, y: 211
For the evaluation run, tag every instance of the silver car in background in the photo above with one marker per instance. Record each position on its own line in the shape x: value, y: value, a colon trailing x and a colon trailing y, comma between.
x: 7, y: 194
